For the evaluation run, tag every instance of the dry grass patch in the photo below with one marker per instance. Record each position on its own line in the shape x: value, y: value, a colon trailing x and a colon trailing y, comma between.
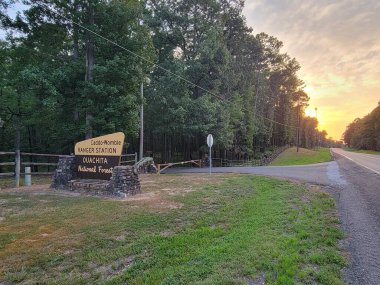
x: 37, y: 221
x: 182, y: 229
x: 157, y: 190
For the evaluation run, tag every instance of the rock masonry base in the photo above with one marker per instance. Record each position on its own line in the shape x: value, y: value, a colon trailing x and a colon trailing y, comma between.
x: 124, y: 180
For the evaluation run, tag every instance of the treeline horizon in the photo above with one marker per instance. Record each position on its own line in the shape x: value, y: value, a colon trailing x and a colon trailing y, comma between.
x: 364, y: 133
x: 203, y: 71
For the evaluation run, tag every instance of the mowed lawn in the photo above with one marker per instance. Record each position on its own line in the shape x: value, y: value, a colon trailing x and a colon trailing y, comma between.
x: 304, y: 156
x: 183, y: 229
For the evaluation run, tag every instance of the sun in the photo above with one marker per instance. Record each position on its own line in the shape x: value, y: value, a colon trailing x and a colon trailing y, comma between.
x: 309, y: 89
x: 319, y: 114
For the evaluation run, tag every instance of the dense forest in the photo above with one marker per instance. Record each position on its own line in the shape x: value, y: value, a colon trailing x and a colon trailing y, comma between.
x: 74, y: 69
x: 364, y: 133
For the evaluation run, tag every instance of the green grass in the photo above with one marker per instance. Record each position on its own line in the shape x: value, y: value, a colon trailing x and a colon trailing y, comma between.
x: 363, y: 151
x: 304, y: 156
x: 227, y: 229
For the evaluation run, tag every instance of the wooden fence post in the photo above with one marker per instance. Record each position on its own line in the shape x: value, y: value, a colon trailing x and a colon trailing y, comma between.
x: 17, y: 167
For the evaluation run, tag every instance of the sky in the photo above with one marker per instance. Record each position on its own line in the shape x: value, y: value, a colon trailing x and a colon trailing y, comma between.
x: 337, y: 44
x: 12, y: 12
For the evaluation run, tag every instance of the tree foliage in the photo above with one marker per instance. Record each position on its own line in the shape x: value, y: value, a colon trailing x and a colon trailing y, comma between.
x: 364, y: 133
x: 208, y: 74
x: 52, y: 72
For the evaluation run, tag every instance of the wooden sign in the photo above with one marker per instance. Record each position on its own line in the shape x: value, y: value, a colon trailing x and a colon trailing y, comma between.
x: 96, y: 157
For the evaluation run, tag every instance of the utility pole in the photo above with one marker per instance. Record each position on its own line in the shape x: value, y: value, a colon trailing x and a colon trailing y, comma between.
x: 298, y: 128
x: 90, y: 66
x: 316, y: 116
x: 142, y: 122
x: 17, y: 150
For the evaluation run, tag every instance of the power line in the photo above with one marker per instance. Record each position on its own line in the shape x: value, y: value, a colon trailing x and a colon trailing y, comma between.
x: 135, y: 54
x: 152, y: 63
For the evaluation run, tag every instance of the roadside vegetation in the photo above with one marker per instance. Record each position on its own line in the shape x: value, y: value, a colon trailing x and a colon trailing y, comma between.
x: 364, y: 133
x: 363, y: 151
x: 183, y: 229
x: 304, y: 156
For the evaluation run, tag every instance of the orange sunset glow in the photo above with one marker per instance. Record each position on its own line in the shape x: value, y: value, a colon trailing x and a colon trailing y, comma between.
x: 338, y: 47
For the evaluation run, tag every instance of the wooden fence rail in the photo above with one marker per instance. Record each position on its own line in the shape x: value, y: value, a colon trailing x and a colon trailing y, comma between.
x: 6, y: 163
x: 7, y: 174
x: 31, y: 159
x: 127, y: 161
x: 31, y: 154
x: 167, y: 165
x: 39, y: 163
x: 266, y: 160
x: 226, y: 162
x: 126, y: 156
x: 28, y: 159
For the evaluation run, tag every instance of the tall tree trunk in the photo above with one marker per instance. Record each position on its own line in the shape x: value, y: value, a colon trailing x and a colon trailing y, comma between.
x: 165, y: 147
x: 298, y: 127
x: 170, y: 149
x: 188, y: 148
x: 89, y: 66
x: 75, y: 51
x: 17, y: 150
x: 30, y: 147
x: 75, y: 32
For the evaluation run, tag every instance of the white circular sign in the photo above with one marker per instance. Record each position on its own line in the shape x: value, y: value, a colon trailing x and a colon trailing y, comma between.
x: 210, y: 140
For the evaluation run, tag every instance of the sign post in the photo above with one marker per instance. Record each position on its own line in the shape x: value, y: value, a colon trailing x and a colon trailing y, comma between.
x: 210, y: 142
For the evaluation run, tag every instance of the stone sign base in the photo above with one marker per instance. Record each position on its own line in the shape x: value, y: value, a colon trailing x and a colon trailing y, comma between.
x: 64, y: 173
x: 124, y: 180
x: 146, y: 165
x: 90, y: 186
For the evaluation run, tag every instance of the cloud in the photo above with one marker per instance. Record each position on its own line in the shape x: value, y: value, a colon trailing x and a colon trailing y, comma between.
x: 338, y: 46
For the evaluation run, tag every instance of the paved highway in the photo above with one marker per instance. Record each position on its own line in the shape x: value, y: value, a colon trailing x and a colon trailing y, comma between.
x: 369, y: 161
x: 354, y: 181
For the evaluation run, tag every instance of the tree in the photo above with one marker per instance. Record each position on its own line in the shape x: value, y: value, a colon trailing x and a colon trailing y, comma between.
x: 363, y: 133
x: 96, y: 82
x: 209, y: 74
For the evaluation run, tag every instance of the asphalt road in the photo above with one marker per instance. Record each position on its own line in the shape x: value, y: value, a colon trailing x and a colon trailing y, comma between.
x: 359, y: 210
x: 322, y: 173
x: 354, y: 180
x: 369, y: 161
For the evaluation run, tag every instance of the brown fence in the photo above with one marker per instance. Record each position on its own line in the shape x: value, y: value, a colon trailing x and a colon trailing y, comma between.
x: 128, y: 159
x: 41, y: 164
x: 220, y: 162
x: 161, y: 167
x: 266, y: 160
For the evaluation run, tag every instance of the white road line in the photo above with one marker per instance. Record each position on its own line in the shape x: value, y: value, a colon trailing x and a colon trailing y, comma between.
x: 358, y: 163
